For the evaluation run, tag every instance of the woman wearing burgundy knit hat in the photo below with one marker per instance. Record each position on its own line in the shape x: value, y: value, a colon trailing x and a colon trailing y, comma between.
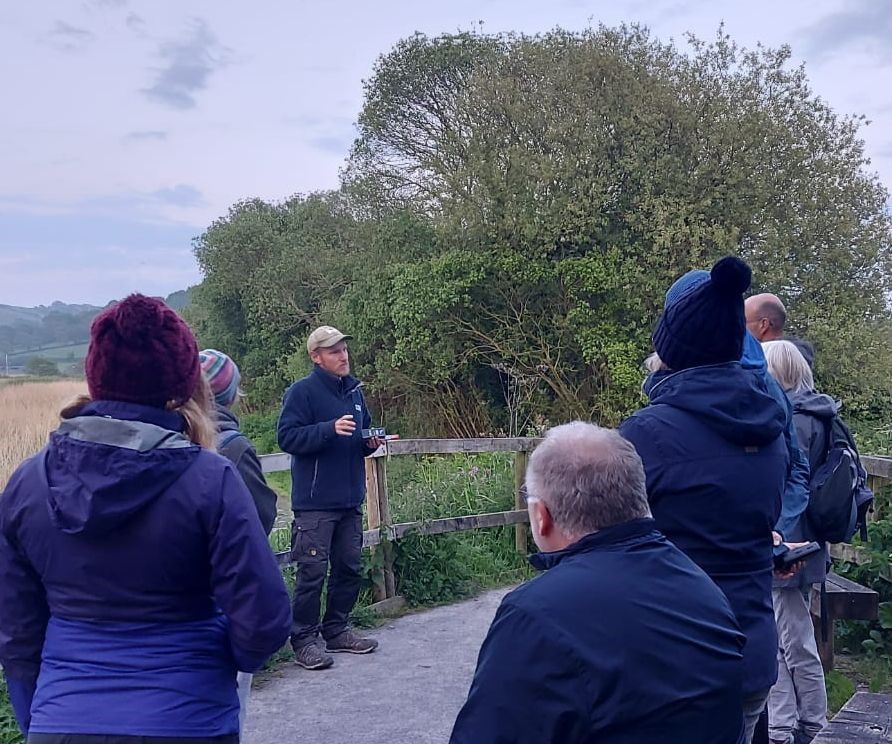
x: 715, y: 458
x: 135, y: 577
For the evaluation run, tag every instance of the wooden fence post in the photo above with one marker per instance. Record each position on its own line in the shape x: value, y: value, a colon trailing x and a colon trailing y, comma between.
x: 384, y: 582
x: 373, y: 510
x: 875, y: 483
x: 521, y: 531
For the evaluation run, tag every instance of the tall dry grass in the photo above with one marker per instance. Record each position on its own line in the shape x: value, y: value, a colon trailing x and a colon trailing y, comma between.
x: 29, y: 411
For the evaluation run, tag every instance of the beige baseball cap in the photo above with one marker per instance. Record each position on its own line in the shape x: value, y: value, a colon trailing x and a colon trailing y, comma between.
x: 325, y: 336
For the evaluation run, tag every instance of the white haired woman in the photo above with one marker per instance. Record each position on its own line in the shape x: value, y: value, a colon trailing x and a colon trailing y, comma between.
x: 797, y: 705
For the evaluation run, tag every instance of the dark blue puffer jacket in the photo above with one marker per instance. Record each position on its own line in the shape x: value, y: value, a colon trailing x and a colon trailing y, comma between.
x: 327, y: 470
x: 622, y: 640
x: 135, y: 580
x: 716, y: 465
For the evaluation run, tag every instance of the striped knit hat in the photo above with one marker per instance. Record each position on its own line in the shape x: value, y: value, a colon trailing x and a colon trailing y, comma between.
x: 222, y: 375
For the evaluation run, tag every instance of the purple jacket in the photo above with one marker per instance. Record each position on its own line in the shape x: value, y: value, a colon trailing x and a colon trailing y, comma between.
x: 135, y: 580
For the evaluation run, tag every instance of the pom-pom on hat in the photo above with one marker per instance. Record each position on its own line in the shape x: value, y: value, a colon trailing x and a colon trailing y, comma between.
x: 704, y: 323
x: 142, y: 352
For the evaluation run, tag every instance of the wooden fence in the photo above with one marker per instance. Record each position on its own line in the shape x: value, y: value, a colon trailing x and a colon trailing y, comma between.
x: 382, y: 532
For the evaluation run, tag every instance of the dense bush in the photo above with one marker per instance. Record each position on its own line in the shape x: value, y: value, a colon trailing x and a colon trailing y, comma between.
x: 9, y: 730
x: 501, y: 265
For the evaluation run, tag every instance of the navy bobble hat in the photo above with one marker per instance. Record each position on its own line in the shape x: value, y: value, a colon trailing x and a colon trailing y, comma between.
x: 704, y: 323
x: 684, y: 284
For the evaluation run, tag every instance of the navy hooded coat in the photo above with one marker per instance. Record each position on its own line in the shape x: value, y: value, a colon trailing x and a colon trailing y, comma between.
x: 135, y: 580
x: 716, y: 465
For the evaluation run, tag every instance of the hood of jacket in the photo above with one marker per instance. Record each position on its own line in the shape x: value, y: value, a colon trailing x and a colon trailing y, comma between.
x: 110, y: 462
x: 815, y: 404
x: 734, y: 402
x: 225, y: 419
x: 753, y: 357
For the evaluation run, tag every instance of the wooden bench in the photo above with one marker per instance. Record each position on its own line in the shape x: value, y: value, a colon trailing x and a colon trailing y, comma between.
x: 866, y: 719
x: 846, y: 600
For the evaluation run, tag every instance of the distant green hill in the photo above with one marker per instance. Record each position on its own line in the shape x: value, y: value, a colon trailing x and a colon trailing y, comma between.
x: 58, y: 331
x: 10, y: 314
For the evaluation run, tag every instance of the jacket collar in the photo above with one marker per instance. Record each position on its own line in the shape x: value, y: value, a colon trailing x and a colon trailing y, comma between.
x: 338, y: 385
x: 620, y: 533
x: 226, y: 419
x: 122, y: 411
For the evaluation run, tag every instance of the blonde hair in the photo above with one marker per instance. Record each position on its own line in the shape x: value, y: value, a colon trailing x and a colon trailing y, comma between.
x: 197, y: 412
x: 787, y: 365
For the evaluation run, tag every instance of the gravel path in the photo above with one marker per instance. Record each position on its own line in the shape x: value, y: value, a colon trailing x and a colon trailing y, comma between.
x: 407, y: 692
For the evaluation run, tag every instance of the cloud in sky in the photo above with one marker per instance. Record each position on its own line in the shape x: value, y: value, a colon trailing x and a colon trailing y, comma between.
x: 188, y: 65
x: 136, y: 23
x: 181, y: 195
x: 332, y: 135
x: 68, y: 38
x: 146, y: 135
x: 144, y: 205
x: 73, y: 257
x: 859, y: 25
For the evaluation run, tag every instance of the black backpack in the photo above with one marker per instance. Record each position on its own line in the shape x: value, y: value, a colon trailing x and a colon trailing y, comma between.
x: 839, y: 499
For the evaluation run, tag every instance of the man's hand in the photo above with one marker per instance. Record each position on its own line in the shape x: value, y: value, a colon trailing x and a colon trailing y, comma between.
x: 345, y: 426
x: 375, y: 442
x: 796, y: 567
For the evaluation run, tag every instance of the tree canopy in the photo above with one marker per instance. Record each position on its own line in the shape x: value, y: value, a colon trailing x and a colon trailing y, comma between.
x: 515, y: 207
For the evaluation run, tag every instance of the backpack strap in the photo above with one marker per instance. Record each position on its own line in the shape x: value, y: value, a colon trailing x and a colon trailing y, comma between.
x: 226, y: 437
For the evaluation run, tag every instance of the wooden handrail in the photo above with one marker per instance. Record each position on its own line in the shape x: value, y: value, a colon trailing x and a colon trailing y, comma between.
x: 281, y: 461
x: 382, y: 533
x: 878, y: 466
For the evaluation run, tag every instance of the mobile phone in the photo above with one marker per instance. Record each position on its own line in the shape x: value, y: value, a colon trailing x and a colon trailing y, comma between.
x: 784, y: 561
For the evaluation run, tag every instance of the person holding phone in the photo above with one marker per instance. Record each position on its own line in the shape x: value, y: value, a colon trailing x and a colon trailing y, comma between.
x: 716, y: 459
x: 797, y: 706
x: 321, y: 426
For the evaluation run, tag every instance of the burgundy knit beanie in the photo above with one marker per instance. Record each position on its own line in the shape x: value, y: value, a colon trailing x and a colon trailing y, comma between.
x: 141, y: 351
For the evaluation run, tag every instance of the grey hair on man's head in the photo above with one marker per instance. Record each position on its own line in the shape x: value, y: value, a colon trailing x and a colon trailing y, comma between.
x: 590, y: 478
x: 787, y: 365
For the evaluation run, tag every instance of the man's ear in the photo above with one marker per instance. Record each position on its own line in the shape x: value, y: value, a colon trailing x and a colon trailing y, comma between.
x: 544, y: 521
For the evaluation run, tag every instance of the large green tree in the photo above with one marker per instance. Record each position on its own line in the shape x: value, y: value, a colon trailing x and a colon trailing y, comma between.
x: 583, y: 172
x: 515, y: 207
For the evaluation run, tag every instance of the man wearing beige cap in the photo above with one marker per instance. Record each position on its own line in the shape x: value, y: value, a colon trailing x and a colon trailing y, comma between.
x: 321, y: 426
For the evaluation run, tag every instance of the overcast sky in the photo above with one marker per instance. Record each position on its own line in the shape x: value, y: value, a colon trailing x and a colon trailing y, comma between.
x: 128, y: 126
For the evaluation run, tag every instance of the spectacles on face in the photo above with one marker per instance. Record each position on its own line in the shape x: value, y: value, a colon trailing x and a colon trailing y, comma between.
x: 526, y: 495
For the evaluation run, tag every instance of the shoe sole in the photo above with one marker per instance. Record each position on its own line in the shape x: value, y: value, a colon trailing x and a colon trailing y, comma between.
x: 348, y: 650
x: 315, y: 667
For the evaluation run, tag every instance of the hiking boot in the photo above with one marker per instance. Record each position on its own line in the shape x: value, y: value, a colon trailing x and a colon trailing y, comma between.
x: 350, y: 643
x: 311, y: 656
